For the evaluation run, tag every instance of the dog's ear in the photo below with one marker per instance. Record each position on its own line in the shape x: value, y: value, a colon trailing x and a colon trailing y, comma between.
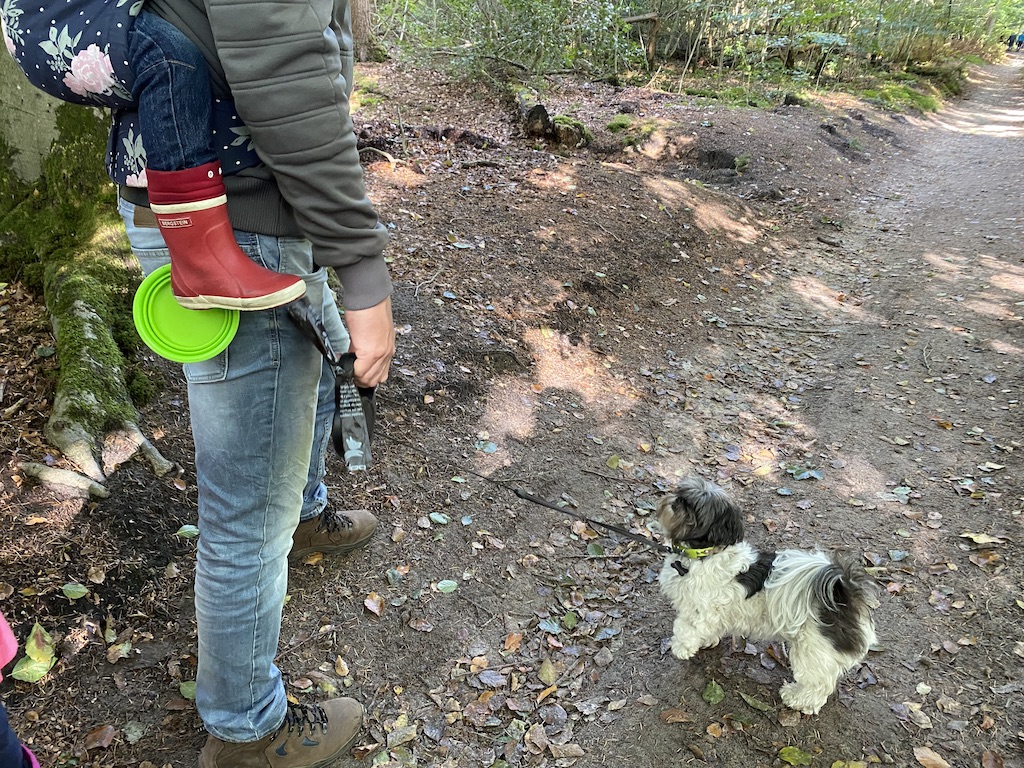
x: 701, y: 512
x: 676, y: 516
x: 726, y: 525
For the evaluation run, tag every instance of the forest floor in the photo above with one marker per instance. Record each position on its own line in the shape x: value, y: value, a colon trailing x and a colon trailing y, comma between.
x: 818, y: 307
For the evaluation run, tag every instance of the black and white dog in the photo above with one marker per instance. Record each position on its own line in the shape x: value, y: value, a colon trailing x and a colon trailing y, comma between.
x: 720, y: 585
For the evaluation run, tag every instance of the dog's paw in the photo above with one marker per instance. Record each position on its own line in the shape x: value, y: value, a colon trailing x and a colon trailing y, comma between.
x: 684, y: 651
x: 796, y: 696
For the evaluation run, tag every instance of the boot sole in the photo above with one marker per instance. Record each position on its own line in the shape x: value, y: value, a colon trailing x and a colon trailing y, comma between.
x: 271, y: 300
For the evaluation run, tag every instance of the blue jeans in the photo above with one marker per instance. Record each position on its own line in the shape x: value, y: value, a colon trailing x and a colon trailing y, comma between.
x: 261, y: 419
x: 172, y: 88
x: 11, y: 753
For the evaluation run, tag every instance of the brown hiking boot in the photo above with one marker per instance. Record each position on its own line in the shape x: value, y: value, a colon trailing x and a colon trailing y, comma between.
x: 333, y: 533
x: 311, y: 736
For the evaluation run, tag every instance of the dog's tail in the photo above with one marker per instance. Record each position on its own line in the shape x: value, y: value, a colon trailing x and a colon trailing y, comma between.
x: 839, y: 594
x: 845, y: 595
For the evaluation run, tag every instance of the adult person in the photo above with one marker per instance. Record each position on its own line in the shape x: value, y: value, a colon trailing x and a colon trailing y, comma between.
x: 261, y: 410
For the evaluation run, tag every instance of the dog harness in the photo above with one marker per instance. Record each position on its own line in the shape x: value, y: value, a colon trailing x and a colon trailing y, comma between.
x: 752, y: 580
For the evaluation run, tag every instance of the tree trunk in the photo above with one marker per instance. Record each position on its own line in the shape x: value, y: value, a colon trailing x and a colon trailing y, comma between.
x: 64, y: 240
x: 367, y: 48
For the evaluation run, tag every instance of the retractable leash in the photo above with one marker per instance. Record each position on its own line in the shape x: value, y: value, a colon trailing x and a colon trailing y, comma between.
x: 526, y: 496
x: 354, y: 408
x: 589, y: 521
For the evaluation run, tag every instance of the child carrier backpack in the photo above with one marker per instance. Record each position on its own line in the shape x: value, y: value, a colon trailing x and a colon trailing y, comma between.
x: 73, y: 50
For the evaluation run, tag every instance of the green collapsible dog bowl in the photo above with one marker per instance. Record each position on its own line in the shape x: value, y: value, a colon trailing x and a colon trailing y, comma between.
x: 173, y: 332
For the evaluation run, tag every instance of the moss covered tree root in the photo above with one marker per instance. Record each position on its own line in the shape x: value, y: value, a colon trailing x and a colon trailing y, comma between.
x: 64, y: 238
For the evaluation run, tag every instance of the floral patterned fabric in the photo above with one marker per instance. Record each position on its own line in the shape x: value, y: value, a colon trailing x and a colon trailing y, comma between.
x: 74, y: 50
x: 126, y: 156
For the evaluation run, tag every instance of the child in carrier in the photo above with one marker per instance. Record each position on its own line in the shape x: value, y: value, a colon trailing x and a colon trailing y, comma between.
x: 111, y: 53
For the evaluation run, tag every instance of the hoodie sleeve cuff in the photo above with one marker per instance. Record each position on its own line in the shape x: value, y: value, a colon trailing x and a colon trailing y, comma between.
x: 364, y: 284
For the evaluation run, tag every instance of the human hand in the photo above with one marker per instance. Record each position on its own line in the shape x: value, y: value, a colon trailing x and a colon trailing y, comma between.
x: 372, y: 331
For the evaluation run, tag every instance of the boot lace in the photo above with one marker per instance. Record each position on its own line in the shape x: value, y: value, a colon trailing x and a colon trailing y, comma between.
x: 332, y: 521
x: 300, y: 716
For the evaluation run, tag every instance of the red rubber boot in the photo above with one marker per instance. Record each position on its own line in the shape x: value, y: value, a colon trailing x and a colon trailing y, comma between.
x: 208, y: 269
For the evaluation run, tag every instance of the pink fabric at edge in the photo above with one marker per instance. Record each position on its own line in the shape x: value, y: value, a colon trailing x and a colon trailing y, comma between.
x: 8, y: 645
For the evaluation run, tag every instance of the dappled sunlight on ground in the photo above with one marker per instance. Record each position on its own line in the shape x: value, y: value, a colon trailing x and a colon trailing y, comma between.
x: 1004, y: 122
x: 559, y: 364
x: 510, y: 410
x: 826, y: 299
x: 709, y: 214
x: 552, y: 181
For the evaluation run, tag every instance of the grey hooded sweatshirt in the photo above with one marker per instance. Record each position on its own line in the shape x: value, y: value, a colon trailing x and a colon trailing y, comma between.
x: 288, y: 67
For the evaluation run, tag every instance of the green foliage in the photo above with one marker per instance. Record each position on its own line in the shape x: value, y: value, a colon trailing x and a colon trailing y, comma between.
x: 12, y: 189
x: 619, y: 123
x: 803, y: 43
x: 141, y: 388
x: 735, y: 95
x: 633, y: 132
x: 532, y: 36
x: 902, y: 96
x: 66, y: 234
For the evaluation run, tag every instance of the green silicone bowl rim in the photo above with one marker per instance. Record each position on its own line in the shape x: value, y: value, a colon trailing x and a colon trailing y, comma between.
x: 175, y: 333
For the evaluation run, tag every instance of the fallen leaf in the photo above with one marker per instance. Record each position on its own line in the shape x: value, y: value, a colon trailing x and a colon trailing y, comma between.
x: 983, y: 538
x: 713, y: 693
x: 986, y: 558
x: 118, y: 651
x: 789, y: 718
x: 565, y: 750
x: 493, y: 679
x: 757, y: 704
x: 536, y: 740
x: 794, y: 756
x: 374, y: 603
x: 547, y: 672
x: 546, y: 692
x: 101, y: 737
x: 991, y: 760
x: 929, y: 758
x: 675, y: 715
x: 73, y: 590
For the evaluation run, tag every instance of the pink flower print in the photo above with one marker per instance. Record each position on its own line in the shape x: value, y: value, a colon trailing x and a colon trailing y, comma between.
x: 137, y: 179
x: 91, y: 72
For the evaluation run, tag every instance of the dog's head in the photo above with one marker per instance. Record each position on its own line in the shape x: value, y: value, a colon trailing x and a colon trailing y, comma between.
x: 700, y: 514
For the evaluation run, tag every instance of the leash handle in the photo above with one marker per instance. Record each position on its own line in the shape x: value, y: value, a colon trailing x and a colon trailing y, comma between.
x: 355, y: 411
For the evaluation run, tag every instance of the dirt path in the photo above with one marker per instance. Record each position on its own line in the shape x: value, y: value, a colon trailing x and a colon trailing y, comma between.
x: 591, y: 327
x: 889, y: 366
x: 878, y: 354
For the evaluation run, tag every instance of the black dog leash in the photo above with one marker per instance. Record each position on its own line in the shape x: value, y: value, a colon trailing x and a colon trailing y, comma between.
x: 589, y: 521
x: 526, y: 496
